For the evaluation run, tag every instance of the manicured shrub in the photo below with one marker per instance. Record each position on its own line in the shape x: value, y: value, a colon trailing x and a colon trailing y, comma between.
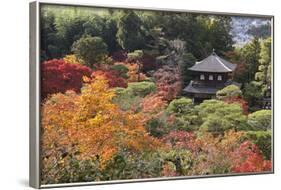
x: 142, y: 88
x: 217, y: 116
x: 59, y: 76
x: 180, y: 106
x: 122, y: 70
x: 231, y: 91
x: 260, y: 120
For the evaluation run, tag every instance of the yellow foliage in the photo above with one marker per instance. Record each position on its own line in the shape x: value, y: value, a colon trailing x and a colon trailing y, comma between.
x: 72, y: 59
x: 92, y: 125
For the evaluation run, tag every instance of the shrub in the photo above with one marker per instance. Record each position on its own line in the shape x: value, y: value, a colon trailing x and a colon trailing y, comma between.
x: 263, y: 141
x: 142, y: 88
x: 126, y: 100
x: 240, y: 101
x: 231, y: 91
x: 217, y: 116
x: 122, y: 70
x: 181, y: 106
x: 247, y: 158
x: 260, y: 120
x: 59, y: 76
x: 128, y: 165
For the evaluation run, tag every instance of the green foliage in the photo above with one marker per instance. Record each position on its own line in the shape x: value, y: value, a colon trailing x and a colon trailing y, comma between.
x: 188, y: 61
x: 180, y: 106
x: 130, y: 97
x: 220, y: 37
x: 260, y: 120
x: 251, y: 54
x: 135, y: 55
x: 262, y: 139
x: 264, y: 70
x: 126, y: 165
x: 156, y: 127
x: 129, y: 35
x: 126, y: 100
x: 70, y: 170
x: 181, y: 159
x: 121, y: 69
x: 217, y: 116
x: 253, y: 93
x: 142, y: 88
x: 91, y: 49
x: 231, y: 91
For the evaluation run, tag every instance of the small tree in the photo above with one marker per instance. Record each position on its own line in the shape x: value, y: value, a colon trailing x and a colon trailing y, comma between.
x: 91, y: 49
x: 136, y: 56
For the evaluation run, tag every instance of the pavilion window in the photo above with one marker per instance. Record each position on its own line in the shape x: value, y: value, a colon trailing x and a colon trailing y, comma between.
x: 211, y: 77
x: 202, y: 77
x: 219, y: 77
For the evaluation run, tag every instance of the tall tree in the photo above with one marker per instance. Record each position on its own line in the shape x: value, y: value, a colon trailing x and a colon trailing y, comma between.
x: 130, y: 35
x: 251, y: 54
x: 264, y: 70
x: 220, y: 37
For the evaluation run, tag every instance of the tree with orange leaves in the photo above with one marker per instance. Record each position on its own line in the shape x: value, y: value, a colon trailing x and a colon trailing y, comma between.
x: 90, y: 126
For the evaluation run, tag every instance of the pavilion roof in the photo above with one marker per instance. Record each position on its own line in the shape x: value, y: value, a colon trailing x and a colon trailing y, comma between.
x: 214, y: 64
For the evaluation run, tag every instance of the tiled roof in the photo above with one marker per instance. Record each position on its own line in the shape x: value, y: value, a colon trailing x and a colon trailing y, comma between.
x: 214, y: 64
x: 195, y: 89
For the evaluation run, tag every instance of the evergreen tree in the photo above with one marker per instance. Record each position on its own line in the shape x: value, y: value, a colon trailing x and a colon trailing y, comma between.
x: 130, y: 35
x: 251, y: 55
x: 264, y: 70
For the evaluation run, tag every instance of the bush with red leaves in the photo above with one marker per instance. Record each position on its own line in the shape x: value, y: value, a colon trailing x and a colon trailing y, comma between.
x: 248, y: 158
x: 180, y: 139
x: 113, y: 77
x: 59, y: 76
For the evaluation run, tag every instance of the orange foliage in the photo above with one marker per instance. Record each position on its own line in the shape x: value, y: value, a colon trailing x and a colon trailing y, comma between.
x: 133, y: 71
x: 90, y: 125
x: 153, y: 104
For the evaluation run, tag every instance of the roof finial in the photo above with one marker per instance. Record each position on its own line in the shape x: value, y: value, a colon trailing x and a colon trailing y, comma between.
x: 214, y: 53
